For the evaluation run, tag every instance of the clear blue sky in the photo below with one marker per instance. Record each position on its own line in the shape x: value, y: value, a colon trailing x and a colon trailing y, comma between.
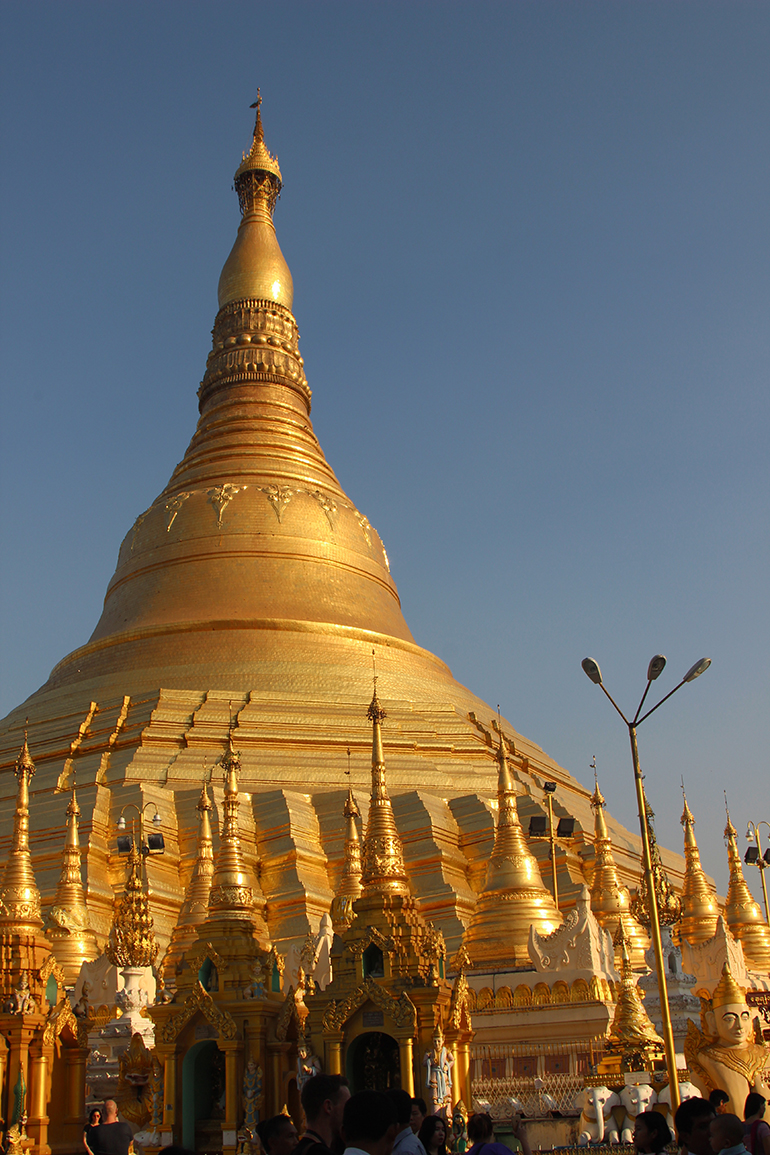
x: 530, y: 245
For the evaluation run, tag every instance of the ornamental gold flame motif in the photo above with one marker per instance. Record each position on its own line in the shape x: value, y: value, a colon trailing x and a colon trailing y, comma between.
x: 132, y: 939
x: 669, y: 903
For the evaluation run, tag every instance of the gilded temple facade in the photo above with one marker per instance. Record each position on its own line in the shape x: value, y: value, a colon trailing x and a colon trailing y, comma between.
x: 235, y: 646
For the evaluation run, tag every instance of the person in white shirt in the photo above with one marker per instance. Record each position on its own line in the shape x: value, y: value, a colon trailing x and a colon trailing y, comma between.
x: 369, y: 1124
x: 406, y: 1143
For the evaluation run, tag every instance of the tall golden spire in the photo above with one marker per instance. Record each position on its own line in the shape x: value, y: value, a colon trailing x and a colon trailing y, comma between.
x: 132, y: 936
x: 19, y: 896
x: 514, y: 897
x: 350, y: 884
x: 744, y: 918
x: 383, y: 869
x: 700, y: 910
x: 68, y: 930
x: 231, y: 897
x: 196, y: 900
x: 610, y: 901
x: 256, y: 269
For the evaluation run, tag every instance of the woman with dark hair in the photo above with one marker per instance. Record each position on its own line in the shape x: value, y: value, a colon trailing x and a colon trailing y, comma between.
x: 94, y: 1119
x: 481, y: 1134
x: 432, y: 1135
x: 651, y: 1133
x: 755, y: 1131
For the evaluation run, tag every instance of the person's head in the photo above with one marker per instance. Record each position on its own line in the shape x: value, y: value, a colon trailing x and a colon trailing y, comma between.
x: 433, y: 1133
x: 692, y: 1121
x: 110, y: 1111
x: 419, y: 1111
x: 369, y: 1121
x: 323, y: 1101
x: 402, y: 1101
x: 651, y: 1132
x: 755, y: 1105
x: 279, y: 1135
x: 95, y: 1116
x: 725, y: 1131
x: 480, y: 1128
x: 719, y: 1100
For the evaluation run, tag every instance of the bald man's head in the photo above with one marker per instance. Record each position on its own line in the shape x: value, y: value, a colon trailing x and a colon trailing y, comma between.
x: 110, y: 1110
x: 725, y: 1131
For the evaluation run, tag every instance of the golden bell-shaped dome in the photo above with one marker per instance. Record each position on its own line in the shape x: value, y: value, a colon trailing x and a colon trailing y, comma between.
x: 700, y: 910
x: 514, y: 897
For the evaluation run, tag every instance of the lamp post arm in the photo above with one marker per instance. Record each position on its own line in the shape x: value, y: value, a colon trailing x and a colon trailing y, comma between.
x: 761, y: 864
x: 660, y: 703
x: 644, y: 695
x: 617, y: 707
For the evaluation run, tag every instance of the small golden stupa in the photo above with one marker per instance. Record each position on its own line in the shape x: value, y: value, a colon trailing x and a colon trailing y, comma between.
x: 514, y: 897
x: 700, y: 910
x: 67, y: 923
x: 611, y: 902
x: 744, y: 918
x: 633, y: 1043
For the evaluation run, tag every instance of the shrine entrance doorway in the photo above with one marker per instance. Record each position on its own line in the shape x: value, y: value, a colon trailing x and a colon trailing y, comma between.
x: 203, y: 1071
x: 372, y: 1062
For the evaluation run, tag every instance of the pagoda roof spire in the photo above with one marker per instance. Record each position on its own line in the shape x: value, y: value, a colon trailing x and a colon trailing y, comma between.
x: 700, y: 910
x: 610, y: 902
x: 499, y: 929
x: 73, y: 942
x: 383, y: 867
x: 231, y: 895
x: 256, y: 269
x: 632, y: 1036
x: 19, y: 895
x: 744, y: 918
x: 349, y: 888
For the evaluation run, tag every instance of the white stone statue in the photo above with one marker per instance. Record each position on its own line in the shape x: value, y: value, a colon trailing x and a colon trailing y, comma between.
x: 308, y: 1065
x: 636, y: 1098
x: 686, y: 1091
x: 578, y: 949
x: 438, y: 1063
x: 322, y: 972
x: 597, y: 1124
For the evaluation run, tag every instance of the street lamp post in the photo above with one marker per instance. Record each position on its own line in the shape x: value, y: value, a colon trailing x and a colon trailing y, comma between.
x: 754, y: 854
x: 654, y: 670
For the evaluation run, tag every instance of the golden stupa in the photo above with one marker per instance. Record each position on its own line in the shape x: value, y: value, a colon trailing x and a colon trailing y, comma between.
x: 242, y: 614
x: 700, y: 909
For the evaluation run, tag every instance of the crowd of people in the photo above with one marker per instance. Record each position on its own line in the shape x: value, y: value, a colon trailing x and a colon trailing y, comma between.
x: 393, y: 1123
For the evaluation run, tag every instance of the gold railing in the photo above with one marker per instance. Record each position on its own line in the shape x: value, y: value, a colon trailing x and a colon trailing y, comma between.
x: 543, y: 1077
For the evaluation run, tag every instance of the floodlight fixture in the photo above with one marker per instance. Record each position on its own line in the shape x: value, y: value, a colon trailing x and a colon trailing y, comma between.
x: 752, y: 854
x: 537, y: 826
x: 566, y: 828
x: 125, y: 842
x: 549, y: 787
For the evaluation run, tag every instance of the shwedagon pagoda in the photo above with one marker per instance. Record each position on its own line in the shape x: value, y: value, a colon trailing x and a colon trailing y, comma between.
x: 252, y: 831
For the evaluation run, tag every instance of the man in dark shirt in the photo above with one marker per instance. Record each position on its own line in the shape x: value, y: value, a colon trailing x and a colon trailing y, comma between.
x: 323, y: 1101
x: 111, y: 1137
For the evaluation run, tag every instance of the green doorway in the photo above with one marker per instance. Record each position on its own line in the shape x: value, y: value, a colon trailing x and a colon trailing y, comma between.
x: 202, y: 1091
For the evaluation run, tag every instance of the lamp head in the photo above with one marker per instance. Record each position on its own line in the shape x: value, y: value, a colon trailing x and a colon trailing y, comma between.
x: 156, y: 819
x: 125, y: 843
x: 696, y: 670
x: 656, y: 667
x: 549, y: 787
x: 122, y: 822
x: 592, y: 670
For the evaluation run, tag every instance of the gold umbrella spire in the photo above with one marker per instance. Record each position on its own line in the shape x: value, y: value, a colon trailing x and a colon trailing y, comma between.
x: 19, y: 896
x: 68, y: 929
x: 256, y: 269
x: 514, y: 896
x: 744, y: 918
x: 610, y: 901
x: 699, y: 903
x: 383, y: 869
x: 196, y: 900
x: 132, y: 936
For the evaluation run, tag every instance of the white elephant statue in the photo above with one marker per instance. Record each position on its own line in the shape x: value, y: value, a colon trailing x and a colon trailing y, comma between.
x: 597, y: 1124
x: 686, y: 1091
x: 636, y: 1099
